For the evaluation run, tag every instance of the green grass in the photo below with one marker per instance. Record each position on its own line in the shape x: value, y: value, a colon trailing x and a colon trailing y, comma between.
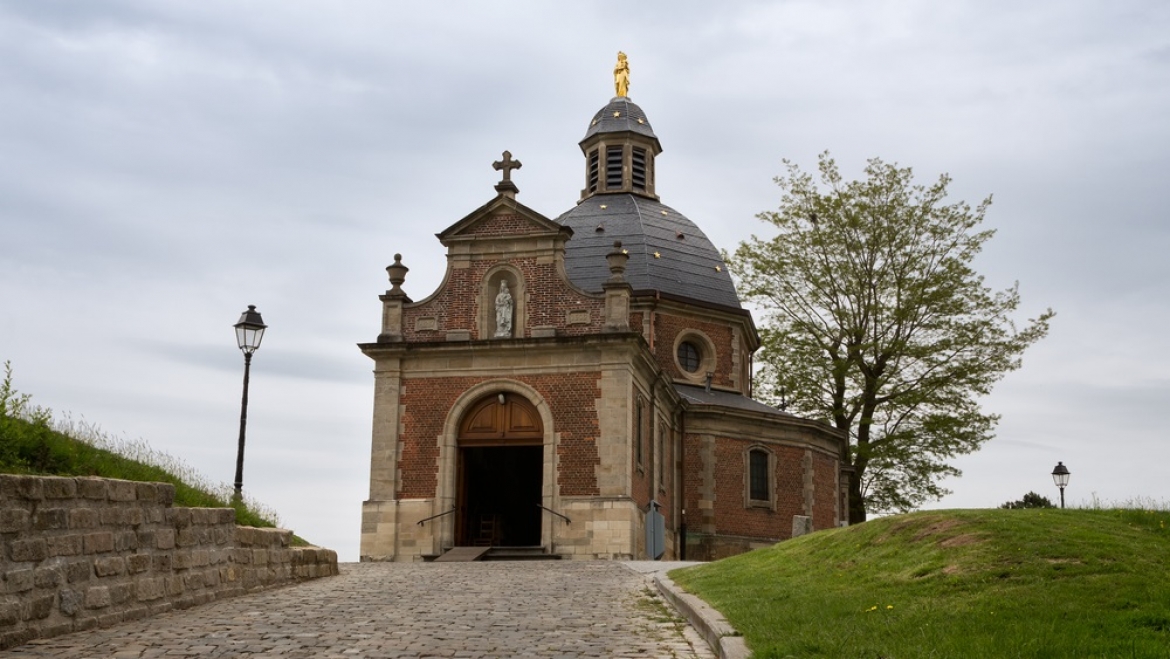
x: 33, y: 442
x: 960, y: 583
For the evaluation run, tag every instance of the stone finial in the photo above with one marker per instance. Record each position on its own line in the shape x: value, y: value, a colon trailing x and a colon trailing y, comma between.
x: 506, y: 187
x: 617, y: 262
x: 397, y: 273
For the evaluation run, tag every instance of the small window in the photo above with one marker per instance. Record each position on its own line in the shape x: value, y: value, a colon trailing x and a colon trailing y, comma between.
x: 688, y: 356
x: 758, y: 475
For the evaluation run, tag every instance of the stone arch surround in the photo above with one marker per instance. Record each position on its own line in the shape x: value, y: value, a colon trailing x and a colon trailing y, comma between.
x: 446, y: 496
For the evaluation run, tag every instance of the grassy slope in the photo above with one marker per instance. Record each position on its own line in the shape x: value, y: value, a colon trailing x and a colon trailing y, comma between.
x: 27, y: 447
x: 967, y: 583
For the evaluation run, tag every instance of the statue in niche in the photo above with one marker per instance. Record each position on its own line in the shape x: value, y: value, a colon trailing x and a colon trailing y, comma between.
x: 504, y: 306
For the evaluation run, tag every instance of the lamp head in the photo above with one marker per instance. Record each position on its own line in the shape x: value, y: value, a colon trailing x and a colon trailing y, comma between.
x: 1060, y: 475
x: 250, y: 330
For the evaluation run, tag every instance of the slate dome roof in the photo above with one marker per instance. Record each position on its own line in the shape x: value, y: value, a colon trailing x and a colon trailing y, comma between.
x: 620, y: 114
x: 668, y: 253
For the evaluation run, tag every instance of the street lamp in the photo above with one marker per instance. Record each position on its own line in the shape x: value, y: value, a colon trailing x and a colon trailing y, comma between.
x: 1060, y: 477
x: 249, y: 333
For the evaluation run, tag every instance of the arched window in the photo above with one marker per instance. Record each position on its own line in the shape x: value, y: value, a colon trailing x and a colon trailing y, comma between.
x: 758, y: 475
x: 759, y: 479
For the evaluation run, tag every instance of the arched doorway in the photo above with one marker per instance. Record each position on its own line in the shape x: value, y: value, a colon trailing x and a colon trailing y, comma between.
x: 499, y: 473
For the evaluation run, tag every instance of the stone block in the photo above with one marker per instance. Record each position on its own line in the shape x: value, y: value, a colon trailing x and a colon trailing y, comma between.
x: 122, y: 490
x: 13, y: 520
x: 180, y: 560
x: 98, y: 543
x: 110, y: 619
x: 200, y: 558
x: 136, y: 613
x: 166, y: 494
x: 39, y: 607
x: 9, y: 611
x: 49, y: 577
x: 192, y: 581
x: 150, y: 588
x: 16, y: 637
x: 18, y: 581
x: 97, y: 597
x: 161, y: 562
x: 121, y: 592
x: 145, y: 538
x: 30, y: 488
x: 110, y: 566
x: 164, y: 539
x: 32, y: 549
x: 84, y: 518
x: 49, y: 630
x: 187, y: 537
x: 801, y: 525
x: 125, y: 541
x: 92, y: 488
x: 136, y: 563
x: 85, y: 622
x: 50, y: 519
x: 210, y: 578
x: 113, y: 516
x: 259, y: 557
x: 60, y: 488
x: 146, y: 492
x: 76, y: 571
x: 180, y: 518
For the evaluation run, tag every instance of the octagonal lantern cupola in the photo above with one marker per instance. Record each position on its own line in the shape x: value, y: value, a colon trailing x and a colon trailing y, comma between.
x: 620, y: 147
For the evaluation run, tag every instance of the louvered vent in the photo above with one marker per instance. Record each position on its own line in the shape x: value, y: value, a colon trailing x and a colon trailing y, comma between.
x: 593, y: 164
x: 613, y: 167
x: 638, y: 168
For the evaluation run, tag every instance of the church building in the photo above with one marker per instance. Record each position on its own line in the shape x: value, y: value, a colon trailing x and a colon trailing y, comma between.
x: 580, y: 386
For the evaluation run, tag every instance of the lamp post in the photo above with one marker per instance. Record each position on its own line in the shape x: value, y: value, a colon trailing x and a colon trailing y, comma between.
x: 1060, y: 476
x: 249, y: 333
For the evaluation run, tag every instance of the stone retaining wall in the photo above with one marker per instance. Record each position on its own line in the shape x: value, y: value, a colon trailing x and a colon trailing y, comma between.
x: 78, y: 553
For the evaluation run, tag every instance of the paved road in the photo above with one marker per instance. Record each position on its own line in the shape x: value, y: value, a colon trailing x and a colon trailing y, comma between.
x: 391, y: 610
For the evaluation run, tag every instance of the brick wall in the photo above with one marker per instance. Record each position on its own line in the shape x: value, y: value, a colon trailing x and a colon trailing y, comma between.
x: 549, y: 299
x: 667, y: 327
x: 78, y: 553
x: 426, y: 402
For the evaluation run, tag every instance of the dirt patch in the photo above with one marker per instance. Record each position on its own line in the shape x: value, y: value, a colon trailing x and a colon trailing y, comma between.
x: 935, y: 528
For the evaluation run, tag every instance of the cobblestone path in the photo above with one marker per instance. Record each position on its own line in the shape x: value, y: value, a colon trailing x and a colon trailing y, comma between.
x: 492, y: 609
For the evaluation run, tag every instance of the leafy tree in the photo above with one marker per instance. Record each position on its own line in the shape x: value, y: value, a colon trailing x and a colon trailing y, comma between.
x: 1030, y: 500
x: 875, y: 321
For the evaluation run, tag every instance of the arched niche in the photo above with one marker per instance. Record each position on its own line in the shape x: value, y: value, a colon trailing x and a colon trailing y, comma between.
x: 489, y: 292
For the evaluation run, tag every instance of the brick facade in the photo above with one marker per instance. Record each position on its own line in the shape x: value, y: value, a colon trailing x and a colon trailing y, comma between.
x: 585, y: 362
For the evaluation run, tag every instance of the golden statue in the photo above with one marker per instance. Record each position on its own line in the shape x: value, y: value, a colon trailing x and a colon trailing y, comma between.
x: 621, y: 75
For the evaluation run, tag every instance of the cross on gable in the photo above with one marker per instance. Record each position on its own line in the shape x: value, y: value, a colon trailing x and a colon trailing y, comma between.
x: 507, y: 164
x: 506, y: 187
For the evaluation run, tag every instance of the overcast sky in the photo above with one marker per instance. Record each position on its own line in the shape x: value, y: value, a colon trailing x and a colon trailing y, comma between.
x: 165, y: 164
